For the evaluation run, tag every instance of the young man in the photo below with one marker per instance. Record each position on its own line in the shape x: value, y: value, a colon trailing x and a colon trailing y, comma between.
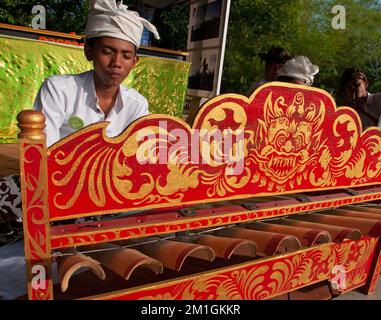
x: 354, y: 92
x: 71, y: 102
x: 274, y: 59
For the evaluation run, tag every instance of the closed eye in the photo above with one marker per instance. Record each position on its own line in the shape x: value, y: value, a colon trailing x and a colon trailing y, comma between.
x: 127, y: 56
x: 106, y: 51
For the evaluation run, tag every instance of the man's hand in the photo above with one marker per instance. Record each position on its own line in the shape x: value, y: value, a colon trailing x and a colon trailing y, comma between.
x: 359, y: 102
x: 356, y: 93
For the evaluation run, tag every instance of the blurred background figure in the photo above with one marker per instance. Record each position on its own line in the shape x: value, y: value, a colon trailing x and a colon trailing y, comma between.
x: 274, y: 60
x: 298, y: 70
x: 354, y: 93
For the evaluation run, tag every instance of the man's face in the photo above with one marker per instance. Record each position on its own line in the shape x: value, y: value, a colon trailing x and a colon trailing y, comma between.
x: 272, y: 69
x: 356, y: 89
x: 300, y: 82
x: 113, y: 60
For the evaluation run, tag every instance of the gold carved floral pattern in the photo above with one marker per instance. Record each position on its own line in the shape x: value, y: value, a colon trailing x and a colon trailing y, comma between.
x: 279, y: 141
x: 36, y: 217
x: 264, y: 280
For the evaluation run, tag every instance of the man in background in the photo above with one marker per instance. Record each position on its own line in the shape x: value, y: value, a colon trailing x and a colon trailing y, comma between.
x: 299, y: 70
x: 354, y: 93
x: 274, y: 59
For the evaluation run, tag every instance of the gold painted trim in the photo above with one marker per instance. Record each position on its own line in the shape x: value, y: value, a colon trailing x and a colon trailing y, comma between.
x: 179, y: 53
x: 237, y: 197
x: 198, y: 219
x: 39, y: 31
x: 114, y: 295
x: 79, y: 37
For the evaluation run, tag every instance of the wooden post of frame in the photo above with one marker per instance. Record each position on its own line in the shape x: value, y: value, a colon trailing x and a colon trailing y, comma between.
x: 194, y: 107
x: 374, y: 272
x: 34, y: 192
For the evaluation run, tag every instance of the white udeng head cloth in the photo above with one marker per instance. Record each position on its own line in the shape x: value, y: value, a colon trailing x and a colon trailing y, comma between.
x: 110, y: 19
x: 300, y: 68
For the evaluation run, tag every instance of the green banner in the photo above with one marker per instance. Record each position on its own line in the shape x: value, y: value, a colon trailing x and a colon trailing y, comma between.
x: 24, y: 64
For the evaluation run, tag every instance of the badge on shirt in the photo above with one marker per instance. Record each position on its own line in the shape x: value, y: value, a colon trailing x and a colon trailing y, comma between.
x: 76, y: 122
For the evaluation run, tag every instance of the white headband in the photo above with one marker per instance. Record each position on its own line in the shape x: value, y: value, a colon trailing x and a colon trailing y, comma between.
x: 300, y: 68
x: 110, y: 19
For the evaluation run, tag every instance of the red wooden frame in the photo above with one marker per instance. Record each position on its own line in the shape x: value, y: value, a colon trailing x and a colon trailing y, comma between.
x: 284, y: 139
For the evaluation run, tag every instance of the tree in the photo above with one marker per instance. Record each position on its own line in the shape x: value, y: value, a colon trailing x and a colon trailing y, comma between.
x: 61, y: 15
x: 304, y: 28
x: 173, y: 26
x: 254, y: 27
x: 71, y: 16
x: 18, y: 13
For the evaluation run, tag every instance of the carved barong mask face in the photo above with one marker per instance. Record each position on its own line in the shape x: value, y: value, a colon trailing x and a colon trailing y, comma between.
x: 290, y: 137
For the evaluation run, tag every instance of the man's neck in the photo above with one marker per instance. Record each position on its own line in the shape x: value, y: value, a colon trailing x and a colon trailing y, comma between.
x: 106, y: 95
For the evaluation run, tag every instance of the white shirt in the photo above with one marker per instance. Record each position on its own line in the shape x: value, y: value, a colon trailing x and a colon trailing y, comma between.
x: 255, y: 85
x: 373, y: 106
x: 69, y: 103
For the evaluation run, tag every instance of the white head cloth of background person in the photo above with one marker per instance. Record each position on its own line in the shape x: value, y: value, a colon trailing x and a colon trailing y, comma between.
x: 110, y: 19
x: 300, y: 68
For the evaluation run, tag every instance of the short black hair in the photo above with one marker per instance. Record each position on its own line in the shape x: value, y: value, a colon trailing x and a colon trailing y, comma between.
x: 91, y: 42
x: 276, y: 54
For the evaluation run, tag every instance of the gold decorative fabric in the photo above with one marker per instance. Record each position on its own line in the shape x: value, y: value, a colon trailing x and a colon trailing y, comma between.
x: 24, y: 64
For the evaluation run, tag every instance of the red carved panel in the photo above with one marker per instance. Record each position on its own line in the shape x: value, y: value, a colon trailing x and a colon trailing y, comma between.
x: 285, y: 138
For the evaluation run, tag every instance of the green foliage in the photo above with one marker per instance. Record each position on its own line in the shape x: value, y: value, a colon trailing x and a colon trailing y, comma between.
x: 66, y: 15
x: 17, y: 12
x: 61, y: 15
x: 71, y: 16
x: 304, y: 28
x: 255, y: 26
x: 173, y: 27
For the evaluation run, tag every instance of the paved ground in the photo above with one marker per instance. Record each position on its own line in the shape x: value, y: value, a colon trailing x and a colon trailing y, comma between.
x: 358, y: 295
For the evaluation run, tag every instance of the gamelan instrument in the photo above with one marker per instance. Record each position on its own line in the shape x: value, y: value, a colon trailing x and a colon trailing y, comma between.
x: 275, y: 196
